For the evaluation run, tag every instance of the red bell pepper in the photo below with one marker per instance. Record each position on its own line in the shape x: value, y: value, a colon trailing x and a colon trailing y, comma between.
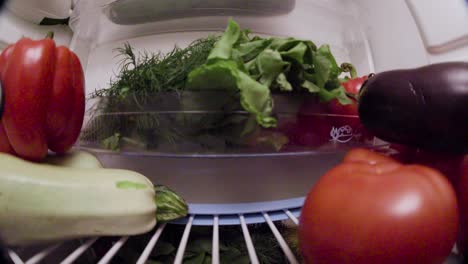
x: 352, y: 87
x: 4, y: 142
x: 44, y: 101
x: 322, y: 123
x: 463, y: 204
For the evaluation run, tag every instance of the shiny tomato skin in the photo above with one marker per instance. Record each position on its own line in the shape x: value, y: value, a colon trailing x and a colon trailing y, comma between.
x: 366, y: 156
x: 379, y: 211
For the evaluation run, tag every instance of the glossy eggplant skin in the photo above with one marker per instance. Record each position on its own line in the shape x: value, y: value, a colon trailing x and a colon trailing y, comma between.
x: 425, y: 107
x: 4, y: 257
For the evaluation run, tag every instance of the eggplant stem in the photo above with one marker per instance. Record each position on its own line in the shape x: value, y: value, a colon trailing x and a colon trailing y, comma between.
x: 354, y: 97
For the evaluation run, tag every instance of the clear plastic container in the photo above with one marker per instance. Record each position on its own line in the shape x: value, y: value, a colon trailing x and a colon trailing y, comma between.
x: 210, y: 155
x: 202, y: 145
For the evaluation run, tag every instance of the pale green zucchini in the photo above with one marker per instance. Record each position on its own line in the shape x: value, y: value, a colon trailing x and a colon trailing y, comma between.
x: 74, y: 159
x: 43, y: 203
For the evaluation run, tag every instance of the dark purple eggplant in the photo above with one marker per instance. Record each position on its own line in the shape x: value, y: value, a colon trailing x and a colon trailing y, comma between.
x: 4, y: 256
x: 425, y: 107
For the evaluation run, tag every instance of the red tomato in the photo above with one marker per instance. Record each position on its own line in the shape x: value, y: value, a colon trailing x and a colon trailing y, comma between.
x: 448, y: 164
x: 366, y: 156
x: 372, y: 209
x: 463, y: 204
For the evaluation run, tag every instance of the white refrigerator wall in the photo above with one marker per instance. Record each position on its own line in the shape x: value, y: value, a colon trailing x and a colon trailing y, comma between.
x: 411, y: 33
x: 374, y: 35
x: 320, y: 21
x: 393, y: 36
x: 13, y: 27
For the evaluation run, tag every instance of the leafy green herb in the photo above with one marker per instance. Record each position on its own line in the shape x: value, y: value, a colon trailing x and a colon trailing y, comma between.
x: 245, y: 70
x: 140, y: 78
x: 222, y: 72
x: 149, y: 73
x: 257, y: 66
x: 112, y: 142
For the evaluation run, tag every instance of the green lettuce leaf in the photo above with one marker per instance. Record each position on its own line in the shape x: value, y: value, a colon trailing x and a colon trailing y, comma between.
x: 282, y: 83
x: 270, y: 64
x: 310, y: 86
x: 250, y: 50
x: 253, y: 67
x: 225, y: 75
x: 296, y: 53
x: 325, y: 66
x: 217, y: 75
x: 223, y: 48
x: 338, y: 93
x: 256, y: 99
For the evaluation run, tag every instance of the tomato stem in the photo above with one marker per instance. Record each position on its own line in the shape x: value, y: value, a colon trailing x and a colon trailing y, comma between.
x: 50, y: 35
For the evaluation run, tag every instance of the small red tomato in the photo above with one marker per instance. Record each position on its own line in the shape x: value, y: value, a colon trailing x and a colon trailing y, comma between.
x: 372, y: 209
x: 366, y: 156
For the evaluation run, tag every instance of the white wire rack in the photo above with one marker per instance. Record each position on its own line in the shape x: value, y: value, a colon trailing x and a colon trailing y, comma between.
x: 243, y: 220
x: 72, y: 255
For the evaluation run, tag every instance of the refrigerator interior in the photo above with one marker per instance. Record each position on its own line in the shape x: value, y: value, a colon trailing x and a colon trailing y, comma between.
x: 373, y: 35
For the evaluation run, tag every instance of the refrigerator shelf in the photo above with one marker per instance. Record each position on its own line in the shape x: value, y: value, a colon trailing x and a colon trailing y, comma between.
x: 46, y: 254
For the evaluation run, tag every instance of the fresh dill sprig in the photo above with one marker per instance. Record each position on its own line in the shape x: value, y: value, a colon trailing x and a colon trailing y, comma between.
x: 141, y: 76
x: 149, y: 73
